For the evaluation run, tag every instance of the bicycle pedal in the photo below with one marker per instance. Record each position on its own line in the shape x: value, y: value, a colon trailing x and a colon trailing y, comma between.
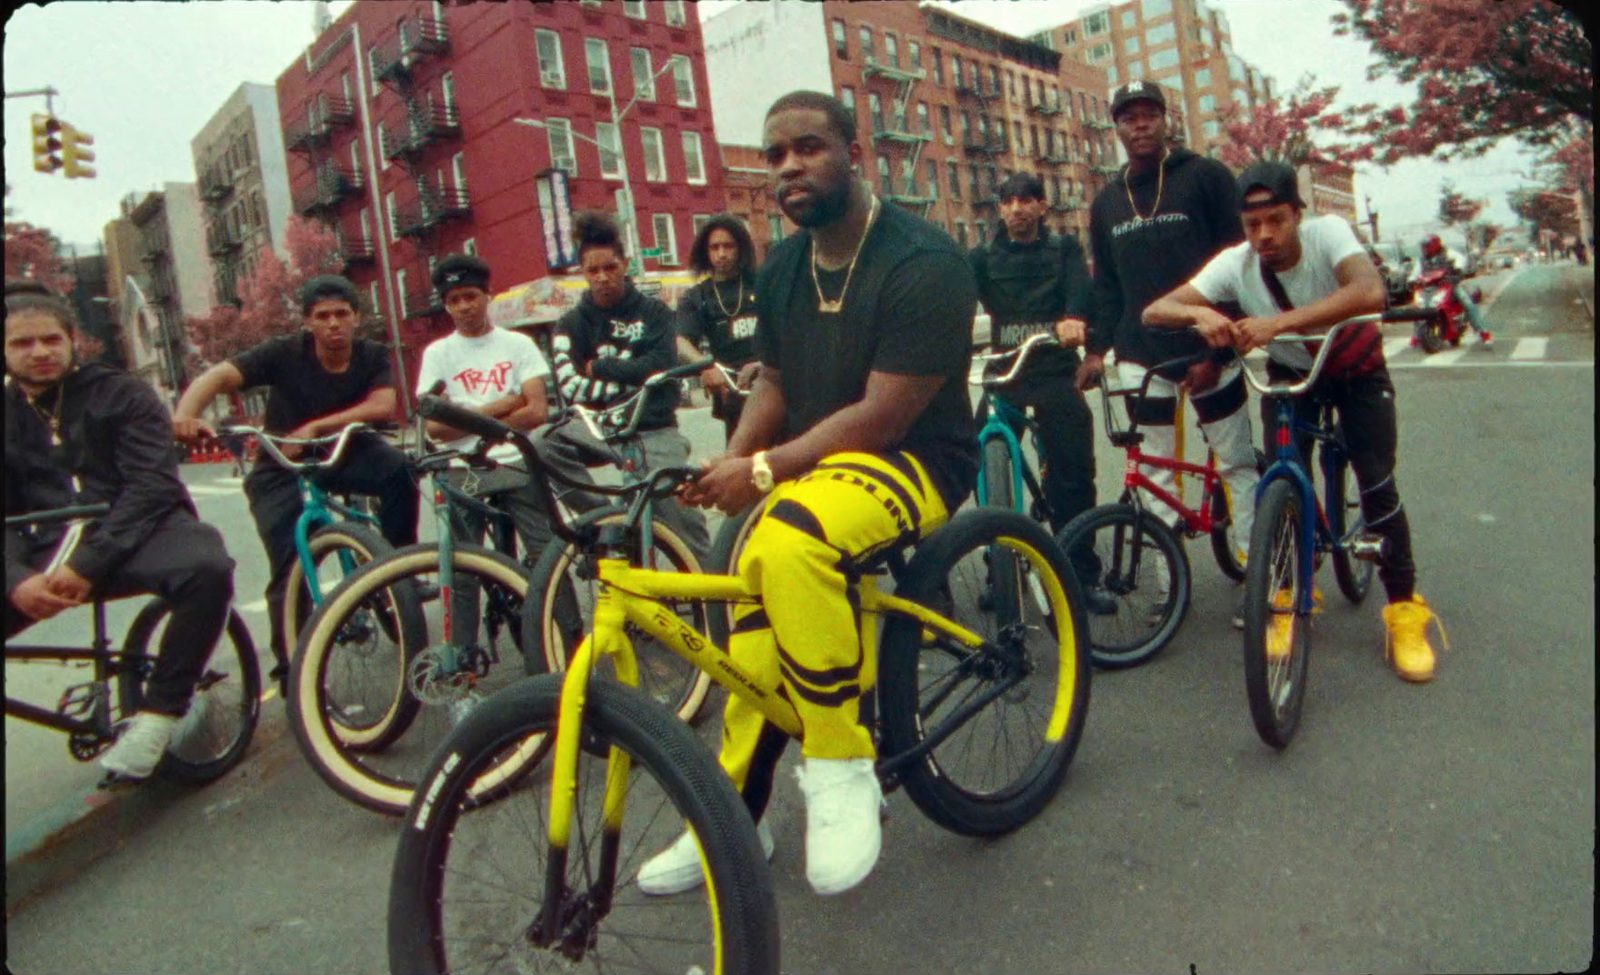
x: 1367, y: 547
x: 79, y: 699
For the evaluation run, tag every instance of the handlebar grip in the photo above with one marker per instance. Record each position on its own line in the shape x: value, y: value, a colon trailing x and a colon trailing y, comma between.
x: 437, y: 389
x: 463, y: 419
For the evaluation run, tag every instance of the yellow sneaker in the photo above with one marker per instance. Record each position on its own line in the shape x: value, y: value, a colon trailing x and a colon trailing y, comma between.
x: 1407, y: 643
x: 1280, y: 627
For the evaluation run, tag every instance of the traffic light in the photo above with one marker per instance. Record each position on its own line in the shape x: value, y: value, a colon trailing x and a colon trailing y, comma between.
x: 46, y: 143
x: 75, y: 155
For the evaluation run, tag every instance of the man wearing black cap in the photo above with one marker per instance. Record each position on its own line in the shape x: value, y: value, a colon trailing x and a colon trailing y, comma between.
x: 1150, y: 229
x: 499, y: 373
x: 319, y: 381
x: 1298, y: 274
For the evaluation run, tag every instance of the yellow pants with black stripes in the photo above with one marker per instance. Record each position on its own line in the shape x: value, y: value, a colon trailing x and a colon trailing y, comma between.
x: 806, y: 636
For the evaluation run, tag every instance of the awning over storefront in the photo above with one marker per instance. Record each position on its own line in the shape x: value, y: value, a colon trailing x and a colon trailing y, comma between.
x: 542, y: 301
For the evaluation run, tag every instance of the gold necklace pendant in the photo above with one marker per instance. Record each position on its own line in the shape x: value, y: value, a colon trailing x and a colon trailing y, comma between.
x: 826, y: 306
x: 1161, y: 179
x: 738, y: 306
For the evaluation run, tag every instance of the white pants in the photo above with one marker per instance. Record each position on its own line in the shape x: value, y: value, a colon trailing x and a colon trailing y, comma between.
x: 1229, y: 435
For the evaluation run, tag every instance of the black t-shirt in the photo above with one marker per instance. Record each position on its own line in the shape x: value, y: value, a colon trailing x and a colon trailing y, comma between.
x: 301, y: 389
x: 724, y: 314
x: 908, y: 311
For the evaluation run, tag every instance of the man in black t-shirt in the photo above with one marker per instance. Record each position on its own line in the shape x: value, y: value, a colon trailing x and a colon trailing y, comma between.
x: 721, y: 311
x: 320, y: 381
x: 858, y: 434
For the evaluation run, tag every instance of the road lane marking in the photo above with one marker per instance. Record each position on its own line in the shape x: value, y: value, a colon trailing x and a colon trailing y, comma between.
x: 1532, y: 347
x: 259, y: 606
x: 1486, y: 363
x: 1394, y: 347
x: 1444, y: 358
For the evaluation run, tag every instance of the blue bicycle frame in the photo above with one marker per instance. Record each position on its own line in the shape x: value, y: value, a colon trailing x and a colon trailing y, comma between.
x: 317, y: 512
x: 1003, y: 422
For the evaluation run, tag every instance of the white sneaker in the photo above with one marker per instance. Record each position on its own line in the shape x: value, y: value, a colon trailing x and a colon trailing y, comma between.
x: 141, y: 746
x: 677, y: 868
x: 843, y: 831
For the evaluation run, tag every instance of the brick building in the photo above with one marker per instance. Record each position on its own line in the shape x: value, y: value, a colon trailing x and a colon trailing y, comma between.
x: 400, y: 126
x: 749, y: 194
x: 239, y: 164
x: 945, y: 107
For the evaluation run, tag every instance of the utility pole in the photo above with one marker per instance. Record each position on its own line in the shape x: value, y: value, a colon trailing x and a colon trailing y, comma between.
x: 1372, y: 220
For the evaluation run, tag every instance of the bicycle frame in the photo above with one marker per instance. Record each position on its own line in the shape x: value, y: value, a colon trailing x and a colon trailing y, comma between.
x: 107, y: 665
x: 1288, y: 464
x: 1195, y: 520
x: 1004, y: 419
x: 317, y: 512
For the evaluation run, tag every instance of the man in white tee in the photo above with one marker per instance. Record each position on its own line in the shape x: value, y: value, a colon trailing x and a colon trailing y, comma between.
x: 1305, y: 274
x: 499, y: 373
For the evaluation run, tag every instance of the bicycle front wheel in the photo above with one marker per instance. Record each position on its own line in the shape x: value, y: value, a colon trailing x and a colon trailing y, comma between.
x: 467, y: 893
x: 1277, y: 635
x: 1145, y: 572
x: 336, y: 681
x: 1345, y: 520
x: 560, y: 613
x: 213, y: 735
x: 1003, y: 720
x: 337, y: 550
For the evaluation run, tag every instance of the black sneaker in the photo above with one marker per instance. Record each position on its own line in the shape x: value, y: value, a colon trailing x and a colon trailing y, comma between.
x: 1098, y: 601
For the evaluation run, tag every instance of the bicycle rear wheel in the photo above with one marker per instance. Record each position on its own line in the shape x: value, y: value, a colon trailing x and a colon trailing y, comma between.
x: 1344, y: 520
x: 1277, y: 633
x: 560, y: 613
x: 1144, y: 570
x: 467, y: 892
x: 1011, y: 712
x: 443, y: 680
x: 215, y: 733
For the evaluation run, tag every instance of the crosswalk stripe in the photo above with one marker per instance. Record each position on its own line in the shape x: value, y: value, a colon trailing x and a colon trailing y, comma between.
x: 1444, y: 358
x: 1532, y: 347
x: 1394, y: 347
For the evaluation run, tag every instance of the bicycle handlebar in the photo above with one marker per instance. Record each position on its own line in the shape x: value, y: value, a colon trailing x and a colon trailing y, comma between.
x: 270, y: 441
x: 1021, y: 352
x: 1295, y: 389
x: 51, y: 516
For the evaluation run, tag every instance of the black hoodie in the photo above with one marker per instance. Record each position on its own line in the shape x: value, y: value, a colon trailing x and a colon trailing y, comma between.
x: 1027, y: 287
x: 117, y: 438
x: 1138, y: 260
x: 628, y: 343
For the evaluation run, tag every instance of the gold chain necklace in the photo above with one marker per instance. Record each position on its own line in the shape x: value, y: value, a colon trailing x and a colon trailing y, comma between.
x: 51, y: 420
x: 824, y: 306
x: 1161, y: 177
x: 737, y: 306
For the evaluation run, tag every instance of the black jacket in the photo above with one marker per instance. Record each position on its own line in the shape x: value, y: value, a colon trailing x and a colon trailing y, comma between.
x: 1026, y: 288
x: 628, y: 343
x: 117, y: 438
x: 1137, y: 261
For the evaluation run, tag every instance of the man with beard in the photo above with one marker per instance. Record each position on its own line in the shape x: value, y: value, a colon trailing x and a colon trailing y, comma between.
x: 87, y: 434
x: 858, y: 435
x: 1150, y: 229
x: 610, y: 344
x: 721, y: 311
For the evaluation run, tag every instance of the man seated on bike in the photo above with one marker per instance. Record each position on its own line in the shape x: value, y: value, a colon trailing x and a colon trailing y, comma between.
x: 499, y: 373
x: 1435, y: 257
x: 86, y: 434
x: 721, y: 311
x: 1318, y: 265
x: 320, y: 381
x: 1029, y: 281
x: 858, y: 436
x: 610, y: 344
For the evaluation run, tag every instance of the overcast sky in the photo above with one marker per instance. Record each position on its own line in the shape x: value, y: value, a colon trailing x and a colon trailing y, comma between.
x: 142, y: 77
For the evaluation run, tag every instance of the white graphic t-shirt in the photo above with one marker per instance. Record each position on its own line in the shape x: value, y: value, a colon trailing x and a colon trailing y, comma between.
x: 480, y: 370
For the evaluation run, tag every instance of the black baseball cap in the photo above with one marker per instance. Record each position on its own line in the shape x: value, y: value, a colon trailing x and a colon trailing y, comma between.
x: 326, y: 287
x: 460, y: 271
x: 1135, y: 91
x: 1276, y: 178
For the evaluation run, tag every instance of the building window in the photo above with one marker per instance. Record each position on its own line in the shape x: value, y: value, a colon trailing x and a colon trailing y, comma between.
x: 924, y: 122
x: 774, y: 227
x: 981, y: 230
x: 885, y: 180
x: 675, y: 15
x: 944, y: 124
x: 1098, y: 24
x: 914, y: 50
x: 447, y: 87
x: 644, y: 76
x: 1135, y: 69
x: 1099, y: 52
x: 470, y: 246
x: 841, y: 41
x: 1161, y: 35
x: 1212, y: 129
x: 605, y: 133
x: 933, y: 178
x: 372, y: 71
x: 1130, y: 19
x: 400, y: 289
x: 1155, y: 8
x: 634, y: 9
x: 847, y: 98
x: 698, y: 221
x: 1202, y: 78
x: 552, y: 74
x: 1113, y: 76
x: 891, y: 49
x: 683, y: 80
x: 388, y: 210
x: 372, y: 297
x: 655, y: 166
x: 599, y: 66
x: 866, y: 43
x: 937, y: 57
x: 875, y: 107
x: 1163, y: 59
x: 366, y: 233
x: 961, y: 233
x: 955, y: 179
x: 692, y: 161
x: 666, y: 239
x: 561, y: 155
x: 458, y: 170
x: 1130, y: 45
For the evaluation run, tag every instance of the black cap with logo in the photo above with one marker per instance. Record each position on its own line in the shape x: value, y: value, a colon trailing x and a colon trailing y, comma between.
x: 460, y: 271
x: 1135, y: 91
x: 1276, y: 178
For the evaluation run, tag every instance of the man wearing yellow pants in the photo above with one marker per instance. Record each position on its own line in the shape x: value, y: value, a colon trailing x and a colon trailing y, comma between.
x: 860, y: 433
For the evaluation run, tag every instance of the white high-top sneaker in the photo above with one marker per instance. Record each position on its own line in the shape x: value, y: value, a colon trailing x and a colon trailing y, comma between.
x: 843, y: 830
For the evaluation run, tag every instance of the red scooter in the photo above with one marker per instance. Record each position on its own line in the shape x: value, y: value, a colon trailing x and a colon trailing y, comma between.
x: 1446, y: 321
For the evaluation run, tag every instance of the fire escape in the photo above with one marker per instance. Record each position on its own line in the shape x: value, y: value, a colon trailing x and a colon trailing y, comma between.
x: 332, y: 182
x: 431, y: 120
x: 1050, y: 153
x: 987, y: 143
x: 896, y: 130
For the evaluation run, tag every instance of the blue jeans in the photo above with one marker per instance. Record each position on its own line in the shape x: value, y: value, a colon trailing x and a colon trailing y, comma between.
x: 1474, y: 316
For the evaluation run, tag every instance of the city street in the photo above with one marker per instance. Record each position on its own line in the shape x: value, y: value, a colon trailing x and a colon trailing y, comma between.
x: 1438, y: 827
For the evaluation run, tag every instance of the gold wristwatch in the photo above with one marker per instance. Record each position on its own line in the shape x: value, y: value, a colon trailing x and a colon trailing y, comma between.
x: 761, y: 472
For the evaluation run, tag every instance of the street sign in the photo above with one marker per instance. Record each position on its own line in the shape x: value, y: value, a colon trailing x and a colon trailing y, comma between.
x: 654, y: 252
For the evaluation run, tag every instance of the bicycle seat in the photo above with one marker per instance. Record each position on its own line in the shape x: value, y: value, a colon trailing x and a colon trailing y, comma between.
x: 1126, y: 438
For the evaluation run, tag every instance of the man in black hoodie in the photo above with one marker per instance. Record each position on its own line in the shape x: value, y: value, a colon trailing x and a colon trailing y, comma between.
x: 1152, y: 227
x: 90, y: 434
x: 610, y: 344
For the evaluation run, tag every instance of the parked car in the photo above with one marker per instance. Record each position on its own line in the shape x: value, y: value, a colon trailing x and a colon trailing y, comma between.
x: 1397, y: 268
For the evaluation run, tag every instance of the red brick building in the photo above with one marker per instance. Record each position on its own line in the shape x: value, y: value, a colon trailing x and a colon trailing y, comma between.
x: 399, y: 124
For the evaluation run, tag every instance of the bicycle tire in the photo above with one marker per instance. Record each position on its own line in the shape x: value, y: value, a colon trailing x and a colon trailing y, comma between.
x: 215, y: 733
x: 1152, y: 597
x: 965, y: 783
x: 383, y: 779
x: 1276, y: 689
x: 352, y: 536
x: 1345, y: 517
x: 487, y: 871
x: 723, y: 559
x: 1005, y: 593
x: 560, y: 611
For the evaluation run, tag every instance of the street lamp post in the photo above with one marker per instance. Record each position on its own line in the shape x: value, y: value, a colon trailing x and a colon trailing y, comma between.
x: 625, y: 206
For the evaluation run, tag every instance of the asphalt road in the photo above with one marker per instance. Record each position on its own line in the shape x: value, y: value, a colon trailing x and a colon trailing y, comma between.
x: 1442, y: 827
